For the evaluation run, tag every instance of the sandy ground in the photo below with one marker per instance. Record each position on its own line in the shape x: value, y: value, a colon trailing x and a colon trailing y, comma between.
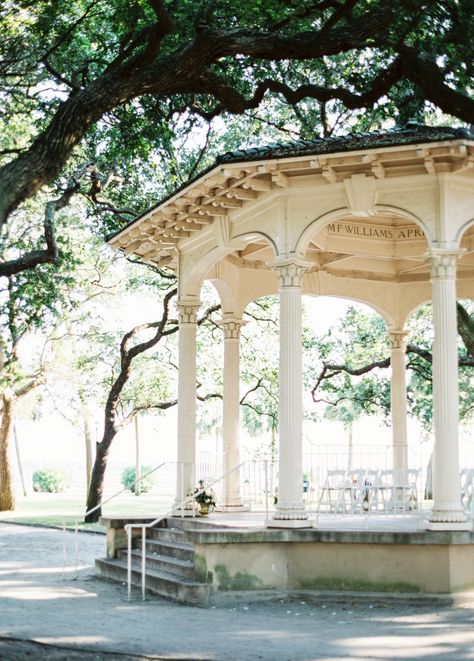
x: 47, y: 611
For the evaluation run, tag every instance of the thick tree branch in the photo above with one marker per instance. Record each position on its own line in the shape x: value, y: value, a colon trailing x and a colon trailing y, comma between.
x: 141, y: 68
x: 163, y: 76
x: 423, y: 70
x: 331, y: 370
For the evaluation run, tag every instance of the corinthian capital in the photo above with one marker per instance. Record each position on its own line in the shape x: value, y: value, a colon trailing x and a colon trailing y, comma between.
x: 290, y: 272
x: 231, y: 327
x: 187, y: 311
x: 398, y: 339
x: 443, y: 263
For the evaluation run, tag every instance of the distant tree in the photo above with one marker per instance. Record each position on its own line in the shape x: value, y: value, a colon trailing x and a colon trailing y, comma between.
x: 355, y: 356
x: 33, y: 305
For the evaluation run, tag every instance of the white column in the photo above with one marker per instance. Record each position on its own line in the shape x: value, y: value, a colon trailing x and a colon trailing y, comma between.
x: 447, y: 513
x: 231, y: 498
x: 186, y: 480
x: 398, y: 399
x: 290, y: 510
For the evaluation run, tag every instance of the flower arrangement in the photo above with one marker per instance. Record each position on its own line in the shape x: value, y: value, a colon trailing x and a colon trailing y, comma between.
x: 204, y: 496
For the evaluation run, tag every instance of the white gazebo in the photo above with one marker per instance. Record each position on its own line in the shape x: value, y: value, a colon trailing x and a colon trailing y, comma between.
x: 383, y: 218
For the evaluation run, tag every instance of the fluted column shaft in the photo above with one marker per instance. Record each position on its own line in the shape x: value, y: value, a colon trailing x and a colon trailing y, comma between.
x: 231, y: 412
x: 186, y: 399
x: 290, y: 510
x: 398, y: 399
x: 447, y: 510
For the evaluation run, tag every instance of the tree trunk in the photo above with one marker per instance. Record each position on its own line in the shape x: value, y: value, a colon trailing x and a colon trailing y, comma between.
x: 86, y: 429
x: 138, y: 471
x: 96, y: 487
x: 18, y: 458
x: 7, y: 497
x: 88, y: 447
x: 350, y: 447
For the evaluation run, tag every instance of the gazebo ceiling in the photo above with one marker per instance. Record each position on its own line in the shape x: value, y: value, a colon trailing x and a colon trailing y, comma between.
x: 385, y: 247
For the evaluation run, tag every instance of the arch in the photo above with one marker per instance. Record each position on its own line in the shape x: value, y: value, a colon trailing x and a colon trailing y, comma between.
x: 226, y: 295
x: 376, y: 308
x: 415, y: 309
x: 462, y: 230
x: 337, y: 214
x: 191, y: 281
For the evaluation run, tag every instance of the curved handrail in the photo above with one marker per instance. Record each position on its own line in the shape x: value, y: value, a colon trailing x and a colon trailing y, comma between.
x: 104, y: 502
x: 143, y: 526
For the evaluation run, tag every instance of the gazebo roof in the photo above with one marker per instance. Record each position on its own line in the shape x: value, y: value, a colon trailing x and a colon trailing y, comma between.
x: 239, y: 177
x: 409, y: 134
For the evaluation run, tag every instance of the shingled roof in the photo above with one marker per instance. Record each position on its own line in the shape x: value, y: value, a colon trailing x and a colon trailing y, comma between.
x: 411, y: 133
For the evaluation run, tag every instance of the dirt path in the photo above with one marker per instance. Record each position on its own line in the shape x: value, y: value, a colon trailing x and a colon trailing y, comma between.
x: 69, y: 616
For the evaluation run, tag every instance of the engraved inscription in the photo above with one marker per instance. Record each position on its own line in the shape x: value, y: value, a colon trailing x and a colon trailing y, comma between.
x: 375, y: 232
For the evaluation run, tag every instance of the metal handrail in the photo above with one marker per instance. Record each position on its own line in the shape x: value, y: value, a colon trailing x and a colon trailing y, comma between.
x: 104, y: 502
x: 143, y: 526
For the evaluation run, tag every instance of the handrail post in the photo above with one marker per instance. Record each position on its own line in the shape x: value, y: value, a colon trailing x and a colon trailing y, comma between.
x: 76, y: 532
x: 182, y: 489
x: 129, y: 562
x: 266, y: 489
x: 64, y: 547
x: 143, y: 561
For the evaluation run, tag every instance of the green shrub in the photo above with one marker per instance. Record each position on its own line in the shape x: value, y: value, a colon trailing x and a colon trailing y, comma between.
x: 128, y: 479
x: 50, y: 480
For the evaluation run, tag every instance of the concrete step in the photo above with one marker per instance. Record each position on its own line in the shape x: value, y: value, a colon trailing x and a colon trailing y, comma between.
x: 185, y: 523
x: 179, y: 550
x: 167, y: 534
x: 165, y: 563
x: 178, y: 588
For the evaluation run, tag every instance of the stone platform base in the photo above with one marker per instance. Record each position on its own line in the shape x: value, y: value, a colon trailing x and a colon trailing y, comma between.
x: 263, y: 561
x: 290, y: 523
x: 292, y: 559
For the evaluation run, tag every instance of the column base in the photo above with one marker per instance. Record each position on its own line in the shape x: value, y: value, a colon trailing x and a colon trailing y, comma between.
x: 185, y: 513
x: 448, y: 520
x: 290, y: 523
x: 232, y: 508
x: 189, y: 510
x: 447, y: 526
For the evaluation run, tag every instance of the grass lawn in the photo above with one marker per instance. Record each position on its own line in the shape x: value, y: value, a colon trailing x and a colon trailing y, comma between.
x: 58, y: 509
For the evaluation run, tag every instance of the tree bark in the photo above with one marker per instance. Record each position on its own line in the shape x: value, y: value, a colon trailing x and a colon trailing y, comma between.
x: 86, y: 429
x: 88, y: 449
x: 7, y: 496
x: 18, y: 458
x: 96, y: 487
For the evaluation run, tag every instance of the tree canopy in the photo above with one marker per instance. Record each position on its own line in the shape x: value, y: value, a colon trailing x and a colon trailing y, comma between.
x: 93, y: 80
x: 349, y: 365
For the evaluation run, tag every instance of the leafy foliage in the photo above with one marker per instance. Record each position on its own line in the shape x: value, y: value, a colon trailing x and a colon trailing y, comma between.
x: 147, y: 85
x: 360, y: 344
x: 50, y: 480
x: 129, y: 477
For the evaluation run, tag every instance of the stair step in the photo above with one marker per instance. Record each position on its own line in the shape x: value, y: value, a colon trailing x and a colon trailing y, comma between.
x: 179, y: 550
x: 167, y: 534
x: 166, y: 563
x: 185, y: 523
x: 179, y: 588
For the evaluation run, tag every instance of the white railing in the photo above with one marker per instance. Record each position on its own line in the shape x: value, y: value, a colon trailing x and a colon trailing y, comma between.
x: 369, y: 491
